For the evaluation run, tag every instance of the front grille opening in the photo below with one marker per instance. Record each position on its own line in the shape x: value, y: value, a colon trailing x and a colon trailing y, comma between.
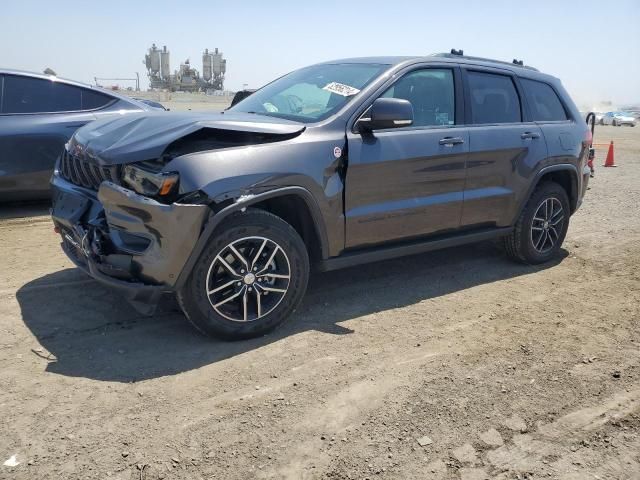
x: 85, y: 173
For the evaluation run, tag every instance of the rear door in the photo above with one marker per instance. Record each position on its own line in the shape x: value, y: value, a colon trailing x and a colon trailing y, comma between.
x: 37, y: 117
x: 546, y: 109
x: 503, y: 148
x: 409, y: 181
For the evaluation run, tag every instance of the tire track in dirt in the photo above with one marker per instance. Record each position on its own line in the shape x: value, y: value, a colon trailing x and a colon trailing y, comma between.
x: 529, y: 452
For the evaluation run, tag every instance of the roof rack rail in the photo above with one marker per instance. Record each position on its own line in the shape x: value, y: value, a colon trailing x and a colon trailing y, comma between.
x: 460, y: 53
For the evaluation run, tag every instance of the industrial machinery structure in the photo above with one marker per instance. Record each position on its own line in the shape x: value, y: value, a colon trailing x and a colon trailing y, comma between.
x: 186, y: 78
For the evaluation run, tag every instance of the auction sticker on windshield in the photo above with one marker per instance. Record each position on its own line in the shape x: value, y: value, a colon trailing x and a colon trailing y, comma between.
x: 341, y: 89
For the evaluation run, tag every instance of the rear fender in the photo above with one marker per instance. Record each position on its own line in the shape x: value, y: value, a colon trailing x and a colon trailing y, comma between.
x: 573, y: 194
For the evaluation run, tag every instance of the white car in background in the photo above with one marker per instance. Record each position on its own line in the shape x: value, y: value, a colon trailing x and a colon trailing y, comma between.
x: 618, y: 119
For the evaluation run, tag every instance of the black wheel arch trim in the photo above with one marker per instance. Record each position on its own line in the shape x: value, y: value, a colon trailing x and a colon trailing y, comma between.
x: 573, y: 194
x: 243, y: 202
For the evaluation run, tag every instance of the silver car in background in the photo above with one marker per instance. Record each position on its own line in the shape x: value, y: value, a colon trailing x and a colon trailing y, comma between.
x: 618, y: 119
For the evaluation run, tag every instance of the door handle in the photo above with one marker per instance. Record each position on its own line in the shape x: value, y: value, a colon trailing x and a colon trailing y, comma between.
x: 532, y: 135
x: 451, y: 141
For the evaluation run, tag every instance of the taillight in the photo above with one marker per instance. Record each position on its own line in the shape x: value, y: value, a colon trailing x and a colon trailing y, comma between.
x: 591, y: 125
x: 588, y: 138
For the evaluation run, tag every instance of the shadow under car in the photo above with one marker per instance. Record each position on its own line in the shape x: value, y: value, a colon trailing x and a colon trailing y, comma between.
x: 90, y: 331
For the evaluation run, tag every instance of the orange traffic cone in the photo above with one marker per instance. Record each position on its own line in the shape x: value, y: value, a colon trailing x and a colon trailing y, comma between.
x: 609, y: 162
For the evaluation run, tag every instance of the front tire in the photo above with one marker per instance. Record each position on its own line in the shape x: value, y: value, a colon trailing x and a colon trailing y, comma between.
x: 542, y: 226
x: 249, y: 278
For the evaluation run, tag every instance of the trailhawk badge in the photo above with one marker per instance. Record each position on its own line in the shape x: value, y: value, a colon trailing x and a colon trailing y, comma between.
x: 337, y: 152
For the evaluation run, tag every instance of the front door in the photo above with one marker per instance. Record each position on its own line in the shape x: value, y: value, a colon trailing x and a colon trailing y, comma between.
x: 409, y: 181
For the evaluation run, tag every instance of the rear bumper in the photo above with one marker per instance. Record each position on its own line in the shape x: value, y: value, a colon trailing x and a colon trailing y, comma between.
x: 123, y: 239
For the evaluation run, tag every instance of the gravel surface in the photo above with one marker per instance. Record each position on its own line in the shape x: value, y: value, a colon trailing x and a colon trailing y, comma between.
x: 455, y: 364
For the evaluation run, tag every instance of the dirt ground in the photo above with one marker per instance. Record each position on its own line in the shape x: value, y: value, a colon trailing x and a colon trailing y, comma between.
x: 455, y: 364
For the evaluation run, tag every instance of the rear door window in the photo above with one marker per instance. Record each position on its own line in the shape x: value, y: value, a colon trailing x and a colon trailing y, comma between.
x: 92, y: 100
x: 543, y: 101
x: 494, y: 98
x: 36, y: 95
x: 431, y: 93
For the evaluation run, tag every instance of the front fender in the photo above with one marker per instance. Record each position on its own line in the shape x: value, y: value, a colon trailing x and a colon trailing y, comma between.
x: 241, y: 204
x: 305, y: 161
x: 308, y: 162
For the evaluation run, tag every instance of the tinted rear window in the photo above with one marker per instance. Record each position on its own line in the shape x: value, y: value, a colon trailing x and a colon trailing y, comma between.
x: 35, y: 95
x: 494, y: 98
x: 92, y: 100
x: 543, y: 101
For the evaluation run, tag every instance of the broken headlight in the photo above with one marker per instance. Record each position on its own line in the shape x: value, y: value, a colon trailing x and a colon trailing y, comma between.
x: 146, y: 180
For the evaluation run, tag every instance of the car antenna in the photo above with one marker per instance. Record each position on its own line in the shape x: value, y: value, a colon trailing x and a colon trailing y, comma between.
x: 457, y: 52
x: 518, y: 62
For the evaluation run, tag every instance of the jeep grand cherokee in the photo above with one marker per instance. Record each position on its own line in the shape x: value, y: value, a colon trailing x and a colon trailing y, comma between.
x: 333, y: 165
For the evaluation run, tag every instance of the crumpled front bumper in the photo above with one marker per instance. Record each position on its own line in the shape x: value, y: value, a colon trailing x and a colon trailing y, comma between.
x: 126, y: 240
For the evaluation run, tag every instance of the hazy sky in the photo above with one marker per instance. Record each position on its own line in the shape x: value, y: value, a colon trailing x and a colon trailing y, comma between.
x: 593, y: 46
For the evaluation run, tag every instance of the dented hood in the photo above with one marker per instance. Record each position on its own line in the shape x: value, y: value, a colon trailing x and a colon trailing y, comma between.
x: 145, y: 136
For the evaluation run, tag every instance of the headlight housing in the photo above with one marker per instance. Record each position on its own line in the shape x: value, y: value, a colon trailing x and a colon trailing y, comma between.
x: 146, y: 180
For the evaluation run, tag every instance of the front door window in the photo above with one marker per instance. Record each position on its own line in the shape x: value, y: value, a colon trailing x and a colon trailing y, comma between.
x: 431, y: 93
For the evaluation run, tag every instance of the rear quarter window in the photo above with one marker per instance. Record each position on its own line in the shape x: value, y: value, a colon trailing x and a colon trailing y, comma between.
x: 92, y: 100
x: 543, y: 101
x: 37, y: 95
x: 494, y: 98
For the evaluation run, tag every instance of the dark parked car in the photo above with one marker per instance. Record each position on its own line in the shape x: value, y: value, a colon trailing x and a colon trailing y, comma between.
x: 333, y: 165
x: 38, y: 115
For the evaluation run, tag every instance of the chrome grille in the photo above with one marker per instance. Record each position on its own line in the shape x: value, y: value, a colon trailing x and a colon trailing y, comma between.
x: 85, y: 173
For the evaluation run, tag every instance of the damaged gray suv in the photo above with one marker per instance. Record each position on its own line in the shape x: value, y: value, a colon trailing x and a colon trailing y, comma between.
x: 333, y: 165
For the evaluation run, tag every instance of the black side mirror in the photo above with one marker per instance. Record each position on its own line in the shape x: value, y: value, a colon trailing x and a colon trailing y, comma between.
x: 387, y: 113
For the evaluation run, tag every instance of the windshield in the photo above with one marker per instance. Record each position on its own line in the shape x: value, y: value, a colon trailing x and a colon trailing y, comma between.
x: 311, y: 94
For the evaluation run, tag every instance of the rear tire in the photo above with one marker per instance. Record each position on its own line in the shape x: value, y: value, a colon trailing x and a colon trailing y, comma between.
x: 542, y: 226
x: 248, y: 280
